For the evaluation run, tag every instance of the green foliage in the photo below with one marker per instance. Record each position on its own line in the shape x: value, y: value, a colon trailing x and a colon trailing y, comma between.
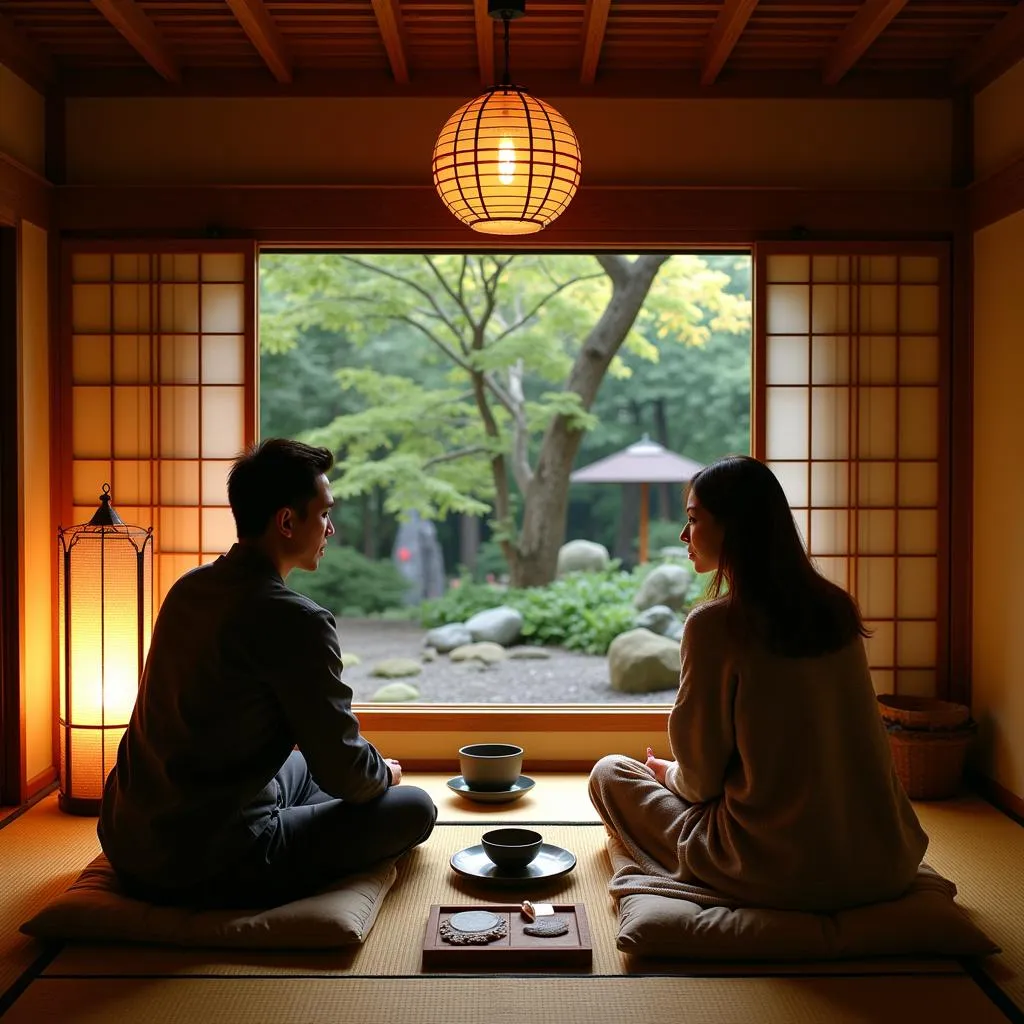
x: 434, y: 377
x: 460, y: 602
x: 583, y: 611
x: 490, y: 561
x: 662, y: 533
x: 350, y: 584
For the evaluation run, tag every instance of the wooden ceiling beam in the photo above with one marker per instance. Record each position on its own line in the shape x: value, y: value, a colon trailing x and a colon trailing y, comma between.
x: 866, y: 26
x: 455, y: 86
x: 484, y: 43
x: 729, y: 25
x: 132, y: 23
x: 23, y: 57
x: 263, y: 34
x: 389, y: 21
x: 994, y: 53
x: 595, y: 20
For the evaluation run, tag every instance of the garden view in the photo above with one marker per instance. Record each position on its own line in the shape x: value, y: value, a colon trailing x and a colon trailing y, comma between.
x: 458, y: 392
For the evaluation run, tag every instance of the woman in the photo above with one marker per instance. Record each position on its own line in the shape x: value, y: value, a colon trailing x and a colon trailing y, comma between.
x: 781, y: 791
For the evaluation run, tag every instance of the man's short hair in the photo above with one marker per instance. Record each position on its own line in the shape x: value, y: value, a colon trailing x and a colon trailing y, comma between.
x: 274, y: 474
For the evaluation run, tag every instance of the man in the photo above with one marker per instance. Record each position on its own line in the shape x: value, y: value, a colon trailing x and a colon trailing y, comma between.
x: 209, y: 803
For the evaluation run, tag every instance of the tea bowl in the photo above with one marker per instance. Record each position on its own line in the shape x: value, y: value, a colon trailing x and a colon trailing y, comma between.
x: 491, y: 766
x: 511, y: 848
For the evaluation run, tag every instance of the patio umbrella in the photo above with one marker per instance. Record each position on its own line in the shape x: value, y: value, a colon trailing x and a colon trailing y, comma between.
x: 645, y: 462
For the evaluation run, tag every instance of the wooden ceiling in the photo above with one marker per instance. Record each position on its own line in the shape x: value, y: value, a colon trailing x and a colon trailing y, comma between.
x: 562, y: 47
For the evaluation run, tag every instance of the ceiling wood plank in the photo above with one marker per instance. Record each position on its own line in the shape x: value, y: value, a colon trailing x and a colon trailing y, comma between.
x: 23, y: 57
x: 729, y: 25
x: 866, y: 26
x: 594, y: 21
x: 263, y: 34
x: 389, y: 21
x: 994, y: 53
x: 133, y: 24
x: 484, y: 43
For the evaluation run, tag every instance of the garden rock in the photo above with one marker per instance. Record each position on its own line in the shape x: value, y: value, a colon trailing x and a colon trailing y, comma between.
x: 500, y: 625
x: 658, y: 619
x: 350, y: 659
x: 529, y: 653
x: 486, y: 652
x: 429, y: 654
x: 668, y: 585
x: 641, y: 661
x: 395, y: 668
x: 675, y: 630
x: 446, y: 638
x: 582, y: 556
x: 394, y: 693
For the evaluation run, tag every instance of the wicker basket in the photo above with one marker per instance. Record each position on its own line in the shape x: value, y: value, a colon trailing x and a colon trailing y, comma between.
x: 925, y: 713
x: 930, y: 764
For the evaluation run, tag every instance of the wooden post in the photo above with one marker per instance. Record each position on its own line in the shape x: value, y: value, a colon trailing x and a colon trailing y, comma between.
x: 643, y: 522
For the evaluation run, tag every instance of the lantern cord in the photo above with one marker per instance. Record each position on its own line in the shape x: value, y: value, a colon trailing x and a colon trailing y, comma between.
x: 505, y: 79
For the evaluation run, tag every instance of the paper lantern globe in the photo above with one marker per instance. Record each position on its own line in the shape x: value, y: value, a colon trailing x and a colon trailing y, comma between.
x: 506, y: 163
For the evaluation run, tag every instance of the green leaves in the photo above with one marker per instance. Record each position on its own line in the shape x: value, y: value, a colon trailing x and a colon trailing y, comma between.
x: 583, y: 611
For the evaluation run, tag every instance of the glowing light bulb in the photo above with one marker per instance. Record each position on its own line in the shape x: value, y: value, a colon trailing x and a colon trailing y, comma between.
x: 506, y: 162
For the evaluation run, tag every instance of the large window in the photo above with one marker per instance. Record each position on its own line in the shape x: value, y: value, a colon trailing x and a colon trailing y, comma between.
x: 849, y: 403
x: 457, y: 391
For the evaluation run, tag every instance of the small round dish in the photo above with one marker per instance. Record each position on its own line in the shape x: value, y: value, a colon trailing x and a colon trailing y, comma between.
x: 552, y: 862
x: 519, y: 788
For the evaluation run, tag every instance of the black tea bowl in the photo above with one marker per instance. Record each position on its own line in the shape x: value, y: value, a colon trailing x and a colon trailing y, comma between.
x: 491, y: 766
x: 511, y: 848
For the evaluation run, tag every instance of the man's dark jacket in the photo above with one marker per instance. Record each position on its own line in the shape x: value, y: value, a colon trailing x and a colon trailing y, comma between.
x: 240, y: 670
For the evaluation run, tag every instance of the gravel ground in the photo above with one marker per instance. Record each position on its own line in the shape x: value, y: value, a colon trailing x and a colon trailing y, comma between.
x: 563, y: 678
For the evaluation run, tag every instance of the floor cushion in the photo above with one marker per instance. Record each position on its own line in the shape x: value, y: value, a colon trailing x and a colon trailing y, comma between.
x: 94, y: 908
x: 924, y: 922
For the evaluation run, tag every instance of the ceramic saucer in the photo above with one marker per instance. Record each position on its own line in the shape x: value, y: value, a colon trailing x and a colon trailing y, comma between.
x: 519, y: 788
x: 551, y: 862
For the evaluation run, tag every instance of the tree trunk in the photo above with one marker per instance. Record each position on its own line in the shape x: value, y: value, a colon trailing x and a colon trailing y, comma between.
x: 534, y: 557
x: 628, y: 525
x: 469, y: 540
x: 661, y: 436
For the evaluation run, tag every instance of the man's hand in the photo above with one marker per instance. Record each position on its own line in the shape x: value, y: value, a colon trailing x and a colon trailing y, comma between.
x: 396, y: 770
x: 657, y: 765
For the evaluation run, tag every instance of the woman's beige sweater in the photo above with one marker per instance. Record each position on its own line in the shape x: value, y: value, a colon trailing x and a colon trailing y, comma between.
x: 788, y: 763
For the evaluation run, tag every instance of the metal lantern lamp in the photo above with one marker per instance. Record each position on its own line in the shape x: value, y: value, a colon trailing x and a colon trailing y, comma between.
x: 506, y: 163
x: 105, y: 617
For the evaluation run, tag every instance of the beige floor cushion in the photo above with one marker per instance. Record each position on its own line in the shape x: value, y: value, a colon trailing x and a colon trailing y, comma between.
x: 924, y: 922
x: 93, y: 908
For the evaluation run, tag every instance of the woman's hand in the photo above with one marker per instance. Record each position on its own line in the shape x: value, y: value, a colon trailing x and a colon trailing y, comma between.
x: 657, y: 765
x: 396, y: 770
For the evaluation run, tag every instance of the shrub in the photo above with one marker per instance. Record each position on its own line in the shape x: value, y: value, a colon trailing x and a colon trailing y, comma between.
x: 582, y: 611
x: 461, y: 602
x: 350, y: 584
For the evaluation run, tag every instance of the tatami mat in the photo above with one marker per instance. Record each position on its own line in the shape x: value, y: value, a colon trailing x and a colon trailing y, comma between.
x: 40, y: 854
x: 394, y: 947
x: 982, y: 850
x: 553, y: 798
x: 504, y: 1000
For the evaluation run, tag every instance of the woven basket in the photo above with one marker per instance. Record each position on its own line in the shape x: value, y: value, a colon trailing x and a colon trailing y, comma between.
x: 930, y: 764
x: 924, y: 713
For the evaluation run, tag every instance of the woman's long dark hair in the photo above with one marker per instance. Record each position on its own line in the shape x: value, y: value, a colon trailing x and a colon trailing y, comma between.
x: 773, y: 590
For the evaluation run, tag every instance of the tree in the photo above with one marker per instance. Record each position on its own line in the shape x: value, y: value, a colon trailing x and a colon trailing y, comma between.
x: 522, y: 344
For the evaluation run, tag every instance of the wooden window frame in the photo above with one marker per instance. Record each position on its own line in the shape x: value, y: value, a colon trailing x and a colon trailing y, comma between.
x: 564, y: 737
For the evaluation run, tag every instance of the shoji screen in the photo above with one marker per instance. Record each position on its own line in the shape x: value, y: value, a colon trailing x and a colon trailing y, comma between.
x: 162, y: 395
x: 849, y: 357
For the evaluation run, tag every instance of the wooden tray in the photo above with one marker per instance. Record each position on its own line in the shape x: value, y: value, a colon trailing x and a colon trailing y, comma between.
x: 516, y: 949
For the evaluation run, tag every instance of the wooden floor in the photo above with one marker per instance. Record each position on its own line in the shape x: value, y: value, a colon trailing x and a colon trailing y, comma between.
x: 42, y: 850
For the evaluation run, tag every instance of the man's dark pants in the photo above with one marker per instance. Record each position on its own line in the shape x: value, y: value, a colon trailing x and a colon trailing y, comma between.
x: 313, y: 840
